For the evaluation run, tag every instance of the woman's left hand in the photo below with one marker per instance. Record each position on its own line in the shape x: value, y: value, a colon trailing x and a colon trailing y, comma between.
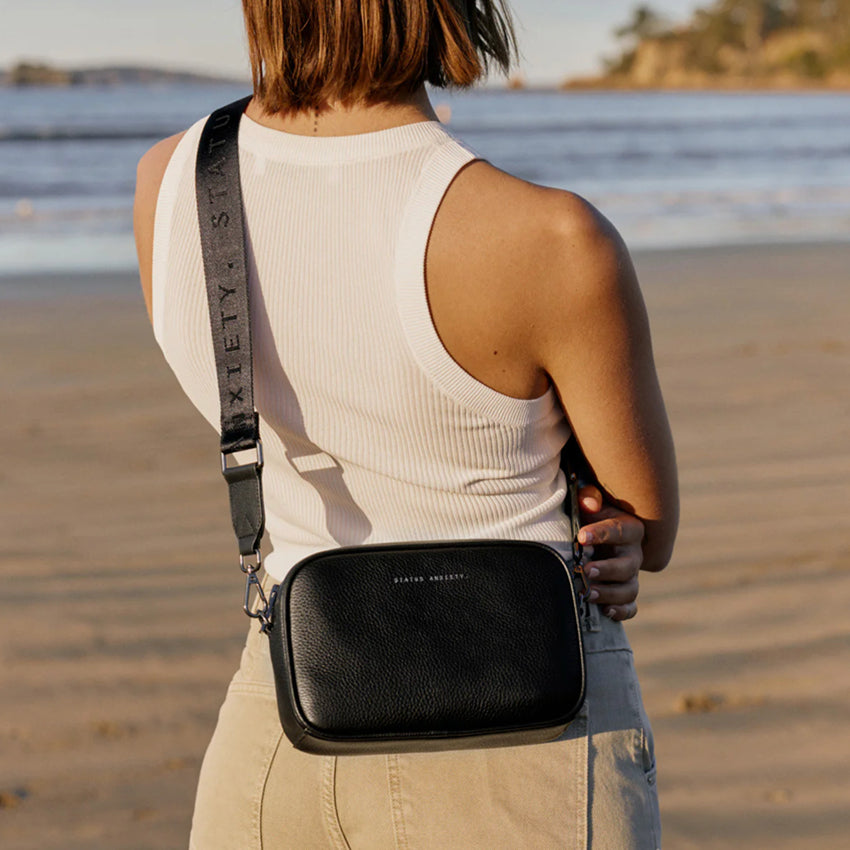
x: 613, y: 539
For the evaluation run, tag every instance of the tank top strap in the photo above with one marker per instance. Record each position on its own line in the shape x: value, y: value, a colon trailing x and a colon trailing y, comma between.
x: 438, y: 174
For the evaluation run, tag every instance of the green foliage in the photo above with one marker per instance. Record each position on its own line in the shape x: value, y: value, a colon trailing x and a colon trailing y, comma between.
x: 620, y: 65
x: 730, y: 36
x: 36, y: 73
x: 645, y: 23
x: 808, y: 63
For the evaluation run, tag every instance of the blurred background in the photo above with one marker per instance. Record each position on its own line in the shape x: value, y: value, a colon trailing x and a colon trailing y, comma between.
x: 715, y: 136
x: 723, y: 161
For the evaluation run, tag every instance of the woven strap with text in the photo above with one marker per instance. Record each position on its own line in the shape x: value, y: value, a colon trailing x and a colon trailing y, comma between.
x: 219, y: 199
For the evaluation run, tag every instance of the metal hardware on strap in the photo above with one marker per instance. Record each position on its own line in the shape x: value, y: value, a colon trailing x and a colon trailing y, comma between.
x: 264, y: 612
x: 248, y: 567
x: 256, y: 463
x: 245, y: 486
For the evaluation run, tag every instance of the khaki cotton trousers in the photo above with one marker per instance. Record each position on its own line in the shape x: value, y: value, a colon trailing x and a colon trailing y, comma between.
x: 592, y: 789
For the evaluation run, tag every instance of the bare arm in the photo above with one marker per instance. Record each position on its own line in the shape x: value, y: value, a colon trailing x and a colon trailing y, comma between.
x: 593, y: 341
x: 149, y: 176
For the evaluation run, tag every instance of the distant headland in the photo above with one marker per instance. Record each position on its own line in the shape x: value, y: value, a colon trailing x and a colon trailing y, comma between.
x: 727, y: 44
x: 733, y: 44
x: 42, y: 74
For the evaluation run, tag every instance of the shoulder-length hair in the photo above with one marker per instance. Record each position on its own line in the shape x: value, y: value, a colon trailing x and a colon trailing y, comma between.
x: 306, y: 54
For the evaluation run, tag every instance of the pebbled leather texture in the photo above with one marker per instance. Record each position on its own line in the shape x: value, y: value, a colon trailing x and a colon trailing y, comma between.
x: 431, y: 646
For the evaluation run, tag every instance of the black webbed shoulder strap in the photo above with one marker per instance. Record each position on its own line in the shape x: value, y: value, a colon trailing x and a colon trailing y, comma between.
x: 577, y: 472
x: 220, y: 217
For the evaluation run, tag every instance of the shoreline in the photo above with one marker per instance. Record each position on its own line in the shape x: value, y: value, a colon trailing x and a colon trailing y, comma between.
x: 713, y: 87
x: 35, y: 286
x: 581, y: 86
x: 571, y: 84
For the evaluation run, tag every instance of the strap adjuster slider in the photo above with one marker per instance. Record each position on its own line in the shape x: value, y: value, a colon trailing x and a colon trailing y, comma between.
x: 241, y: 463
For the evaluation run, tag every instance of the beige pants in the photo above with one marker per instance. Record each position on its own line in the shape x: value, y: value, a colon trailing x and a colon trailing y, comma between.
x: 592, y: 788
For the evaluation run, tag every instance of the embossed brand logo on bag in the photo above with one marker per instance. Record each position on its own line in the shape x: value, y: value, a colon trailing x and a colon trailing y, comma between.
x: 429, y: 578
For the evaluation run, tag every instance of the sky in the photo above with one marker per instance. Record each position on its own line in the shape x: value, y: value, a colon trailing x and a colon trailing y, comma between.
x: 558, y: 38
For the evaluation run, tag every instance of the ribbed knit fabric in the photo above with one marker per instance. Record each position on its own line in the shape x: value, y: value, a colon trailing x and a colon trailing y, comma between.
x: 371, y: 431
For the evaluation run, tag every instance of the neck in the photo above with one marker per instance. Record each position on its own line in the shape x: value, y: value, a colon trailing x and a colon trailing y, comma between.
x: 347, y: 120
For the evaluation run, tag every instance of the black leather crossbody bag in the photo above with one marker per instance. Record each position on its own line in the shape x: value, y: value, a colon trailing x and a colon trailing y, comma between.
x: 388, y: 648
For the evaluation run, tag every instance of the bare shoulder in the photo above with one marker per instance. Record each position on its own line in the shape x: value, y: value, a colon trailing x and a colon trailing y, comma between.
x: 151, y: 170
x: 149, y: 175
x: 543, y: 255
x: 554, y: 299
x: 557, y: 235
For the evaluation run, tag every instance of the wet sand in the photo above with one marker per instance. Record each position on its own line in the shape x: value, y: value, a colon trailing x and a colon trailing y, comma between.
x: 120, y: 619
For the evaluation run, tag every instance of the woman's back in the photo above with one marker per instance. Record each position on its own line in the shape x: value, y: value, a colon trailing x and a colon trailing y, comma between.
x: 427, y: 331
x: 372, y: 432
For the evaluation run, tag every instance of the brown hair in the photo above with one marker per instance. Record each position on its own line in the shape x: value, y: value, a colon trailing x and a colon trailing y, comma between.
x: 307, y: 53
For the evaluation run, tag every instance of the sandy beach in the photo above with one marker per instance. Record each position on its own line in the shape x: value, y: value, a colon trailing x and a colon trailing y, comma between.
x: 120, y: 620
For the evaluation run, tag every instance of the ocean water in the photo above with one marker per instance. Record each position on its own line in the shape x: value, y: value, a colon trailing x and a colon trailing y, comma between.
x: 669, y: 169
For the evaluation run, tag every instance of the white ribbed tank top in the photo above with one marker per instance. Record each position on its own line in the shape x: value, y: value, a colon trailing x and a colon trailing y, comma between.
x: 371, y: 431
